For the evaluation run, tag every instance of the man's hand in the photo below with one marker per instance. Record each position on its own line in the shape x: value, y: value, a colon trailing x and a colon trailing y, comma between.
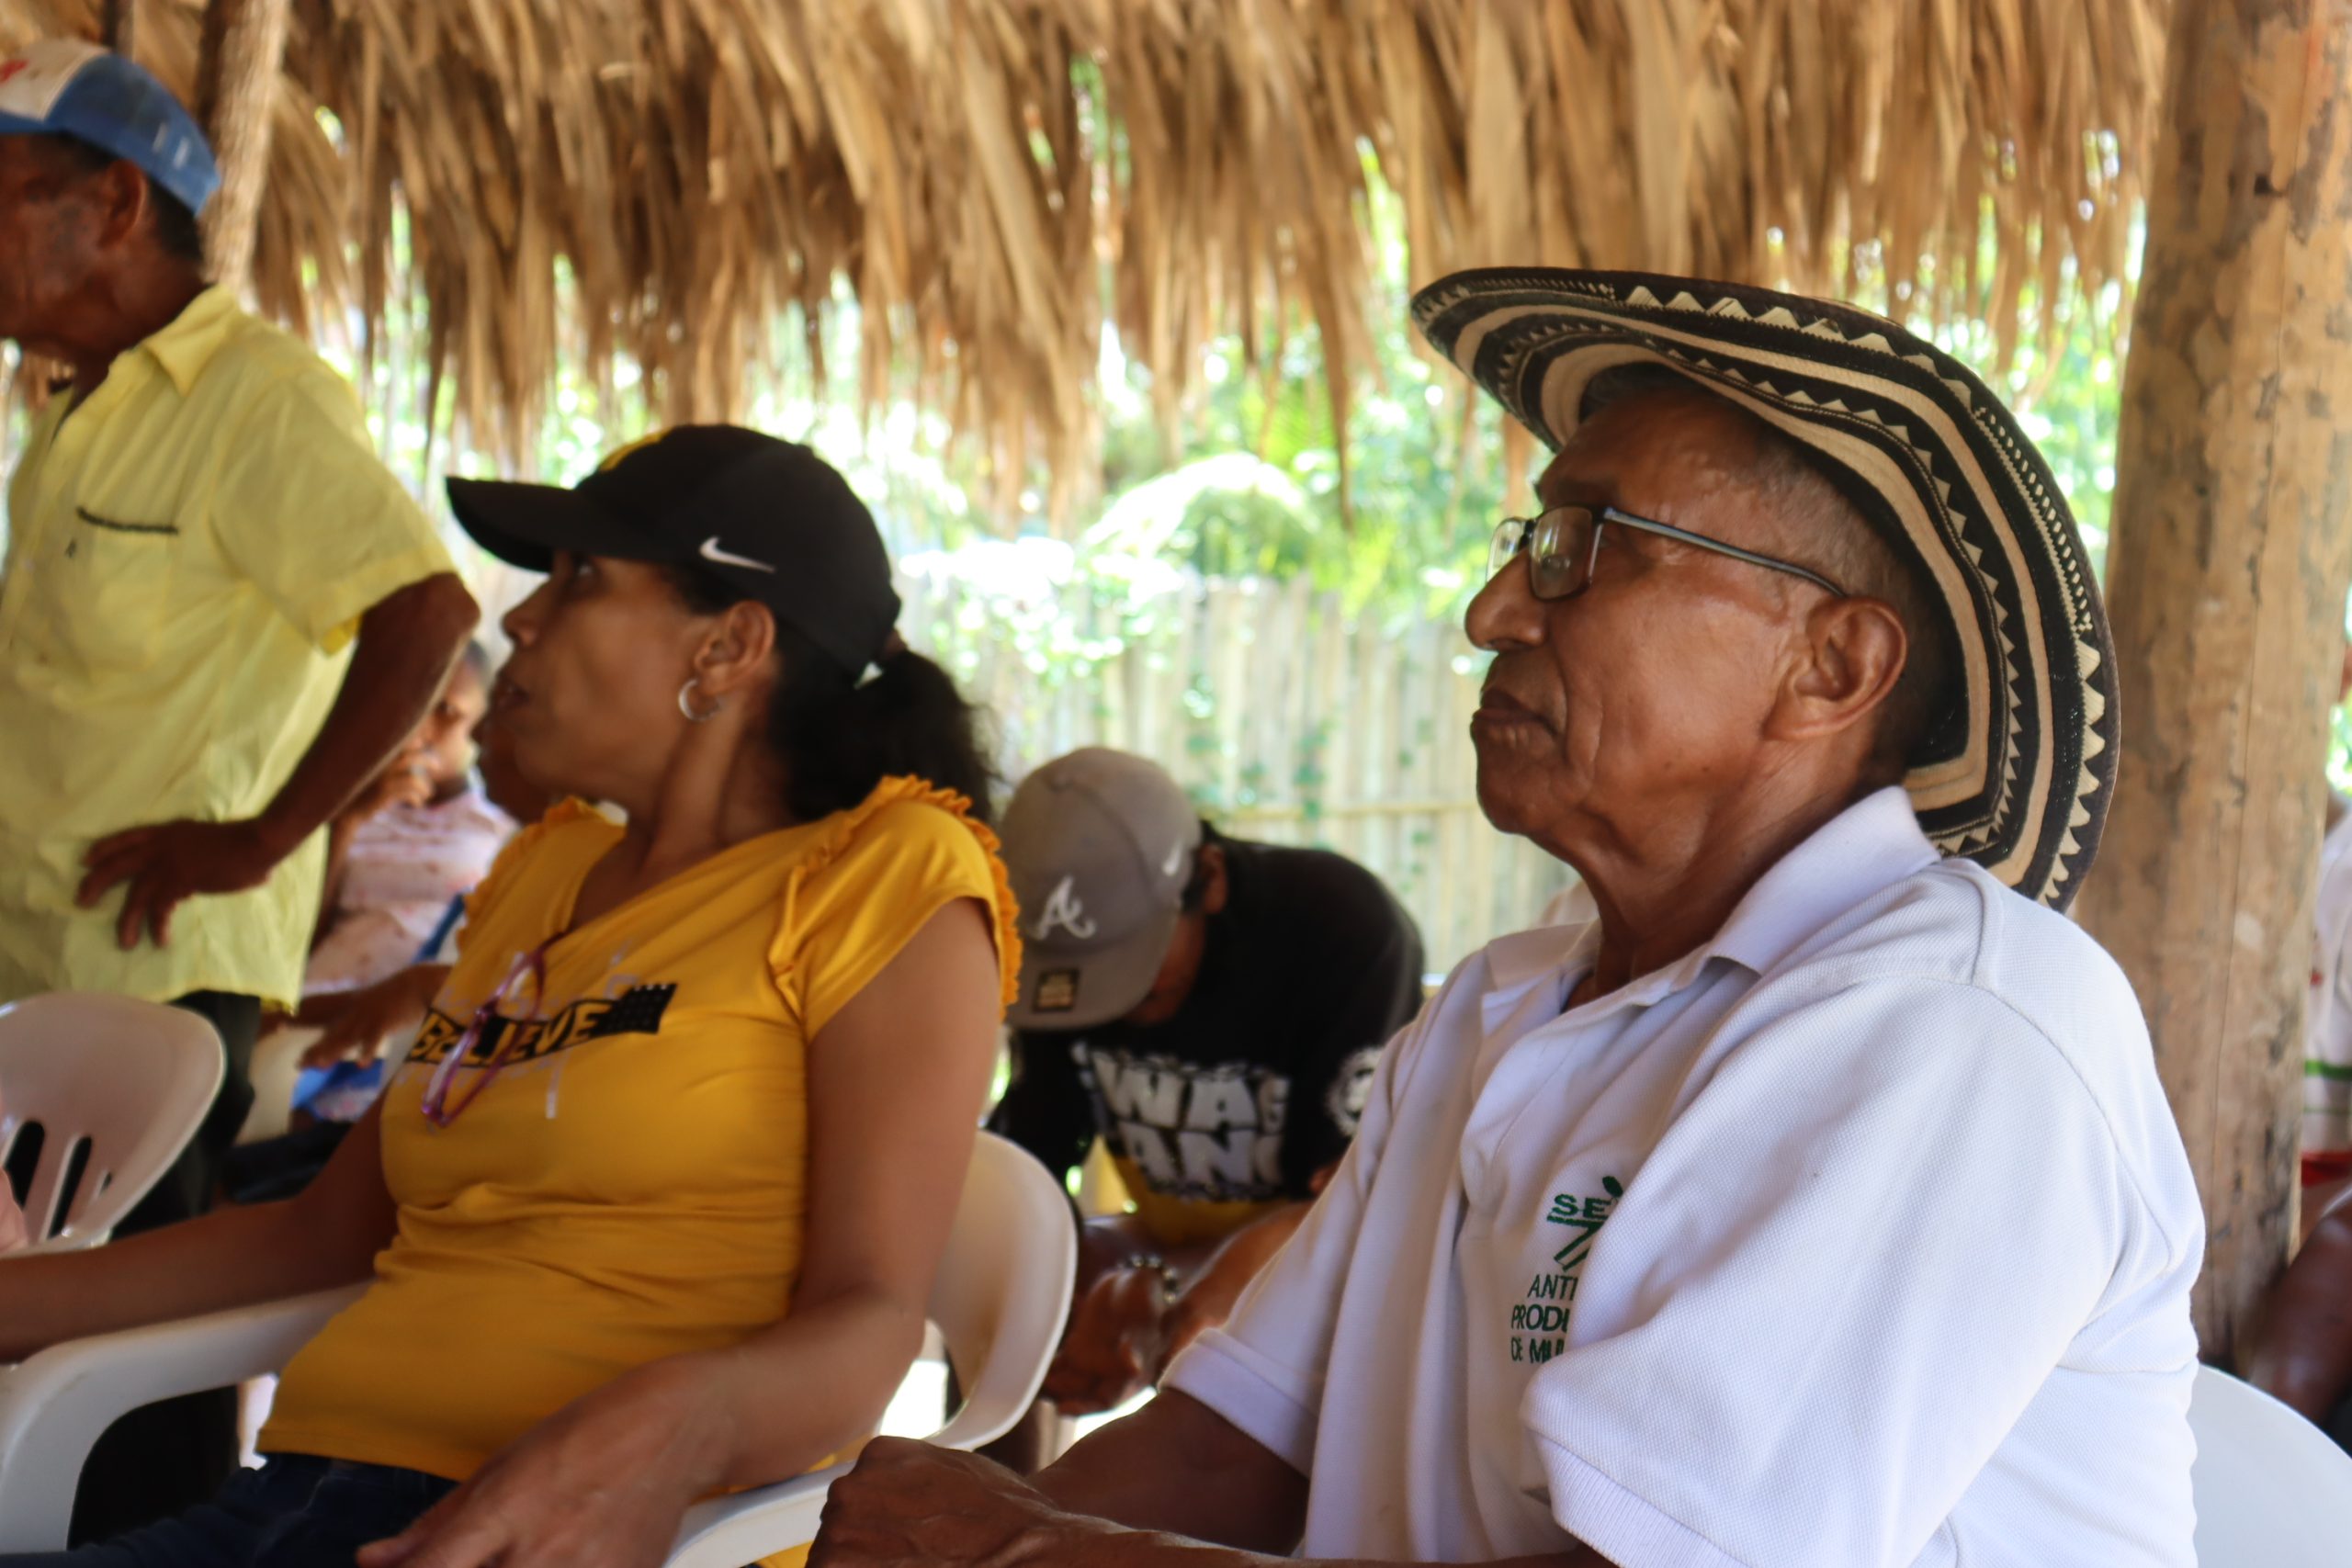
x: 406, y: 644
x: 908, y: 1504
x: 1114, y: 1344
x: 601, y: 1483
x: 166, y: 864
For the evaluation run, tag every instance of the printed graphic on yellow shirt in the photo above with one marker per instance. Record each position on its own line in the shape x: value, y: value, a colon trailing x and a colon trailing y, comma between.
x: 512, y: 1040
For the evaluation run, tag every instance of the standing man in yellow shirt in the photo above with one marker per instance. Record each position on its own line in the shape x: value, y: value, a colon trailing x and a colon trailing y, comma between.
x: 220, y: 613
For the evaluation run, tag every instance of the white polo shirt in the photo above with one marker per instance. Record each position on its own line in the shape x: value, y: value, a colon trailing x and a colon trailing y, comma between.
x: 1859, y: 1237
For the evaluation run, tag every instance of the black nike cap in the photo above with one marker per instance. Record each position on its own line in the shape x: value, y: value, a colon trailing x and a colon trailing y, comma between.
x: 769, y: 518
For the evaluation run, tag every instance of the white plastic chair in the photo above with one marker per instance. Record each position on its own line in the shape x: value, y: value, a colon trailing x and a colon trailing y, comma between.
x: 277, y: 1064
x: 1001, y: 1295
x: 131, y: 1078
x: 2272, y: 1490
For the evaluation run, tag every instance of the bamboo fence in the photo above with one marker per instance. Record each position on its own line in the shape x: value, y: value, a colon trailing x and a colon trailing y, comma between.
x: 1287, y: 720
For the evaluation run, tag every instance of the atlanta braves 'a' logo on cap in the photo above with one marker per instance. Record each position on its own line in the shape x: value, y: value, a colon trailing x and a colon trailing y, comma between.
x: 1064, y: 911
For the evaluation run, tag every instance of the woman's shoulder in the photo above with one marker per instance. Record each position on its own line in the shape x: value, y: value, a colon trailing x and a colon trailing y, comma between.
x: 903, y: 818
x: 906, y: 848
x: 571, y: 831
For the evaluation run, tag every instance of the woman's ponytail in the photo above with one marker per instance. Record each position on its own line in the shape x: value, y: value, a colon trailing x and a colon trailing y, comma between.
x: 840, y: 736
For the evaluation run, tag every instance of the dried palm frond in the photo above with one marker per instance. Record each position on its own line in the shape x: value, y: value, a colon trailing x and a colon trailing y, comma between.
x: 996, y: 180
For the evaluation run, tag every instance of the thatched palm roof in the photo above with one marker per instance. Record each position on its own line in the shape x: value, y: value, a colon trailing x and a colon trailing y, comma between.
x: 973, y: 170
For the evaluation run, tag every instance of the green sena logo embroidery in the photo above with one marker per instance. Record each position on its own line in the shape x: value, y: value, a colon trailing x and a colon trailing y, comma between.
x: 637, y: 1010
x: 1585, y: 1216
x: 1539, y: 1325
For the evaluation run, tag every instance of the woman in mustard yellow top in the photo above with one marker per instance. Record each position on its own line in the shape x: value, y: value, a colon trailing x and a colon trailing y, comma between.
x: 651, y: 1208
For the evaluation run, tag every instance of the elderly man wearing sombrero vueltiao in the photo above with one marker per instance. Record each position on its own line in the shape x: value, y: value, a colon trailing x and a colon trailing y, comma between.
x: 1816, y: 1207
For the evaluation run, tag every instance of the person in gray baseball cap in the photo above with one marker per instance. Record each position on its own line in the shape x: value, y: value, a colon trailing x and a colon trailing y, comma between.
x: 1109, y: 848
x: 1212, y: 1009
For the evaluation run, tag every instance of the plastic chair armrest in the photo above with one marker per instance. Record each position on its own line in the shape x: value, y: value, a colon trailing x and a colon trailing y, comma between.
x: 725, y: 1532
x: 54, y: 1405
x: 69, y: 1240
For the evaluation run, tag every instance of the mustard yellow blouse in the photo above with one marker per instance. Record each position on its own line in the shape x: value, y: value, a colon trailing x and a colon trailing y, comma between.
x: 632, y: 1184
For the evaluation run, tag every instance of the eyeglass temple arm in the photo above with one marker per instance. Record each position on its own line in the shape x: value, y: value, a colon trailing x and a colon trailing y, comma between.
x: 1651, y: 526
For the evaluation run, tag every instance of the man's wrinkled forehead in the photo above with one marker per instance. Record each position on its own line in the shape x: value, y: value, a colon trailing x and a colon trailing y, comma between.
x: 1561, y: 484
x: 1626, y: 436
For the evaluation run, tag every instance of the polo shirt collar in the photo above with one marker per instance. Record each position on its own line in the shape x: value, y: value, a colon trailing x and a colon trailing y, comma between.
x: 1870, y: 845
x: 186, y: 347
x: 1547, y: 950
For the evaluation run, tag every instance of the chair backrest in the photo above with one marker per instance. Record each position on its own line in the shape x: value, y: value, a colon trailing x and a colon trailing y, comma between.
x: 1002, y: 1291
x: 1000, y: 1301
x: 117, y: 1086
x: 2272, y: 1490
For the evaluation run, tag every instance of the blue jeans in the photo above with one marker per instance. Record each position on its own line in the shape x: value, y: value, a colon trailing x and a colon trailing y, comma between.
x: 296, y: 1511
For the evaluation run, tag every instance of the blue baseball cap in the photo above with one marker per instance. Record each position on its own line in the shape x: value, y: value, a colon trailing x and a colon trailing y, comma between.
x: 67, y: 88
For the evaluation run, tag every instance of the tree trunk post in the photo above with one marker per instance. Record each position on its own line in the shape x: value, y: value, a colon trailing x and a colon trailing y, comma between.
x: 237, y: 85
x: 2226, y: 585
x: 118, y: 26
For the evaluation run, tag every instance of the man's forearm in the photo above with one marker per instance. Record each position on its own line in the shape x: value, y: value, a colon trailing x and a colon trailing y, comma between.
x: 1174, y: 1485
x: 1252, y: 1246
x: 339, y: 834
x: 1129, y: 1549
x: 406, y: 644
x: 1178, y: 1466
x: 1192, y: 1491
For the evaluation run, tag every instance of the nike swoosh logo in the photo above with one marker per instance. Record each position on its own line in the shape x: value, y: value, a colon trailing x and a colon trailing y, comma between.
x: 711, y: 552
x: 1175, y: 863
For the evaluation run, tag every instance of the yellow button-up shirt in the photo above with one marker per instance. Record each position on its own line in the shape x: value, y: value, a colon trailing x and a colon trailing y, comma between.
x: 188, y: 556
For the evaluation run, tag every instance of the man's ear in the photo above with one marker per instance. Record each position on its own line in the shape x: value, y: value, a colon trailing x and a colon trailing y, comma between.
x: 736, y: 654
x: 1852, y: 656
x: 123, y: 198
x: 1214, y: 896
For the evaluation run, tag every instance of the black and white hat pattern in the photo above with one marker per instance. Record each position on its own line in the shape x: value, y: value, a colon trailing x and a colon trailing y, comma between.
x: 2018, y: 777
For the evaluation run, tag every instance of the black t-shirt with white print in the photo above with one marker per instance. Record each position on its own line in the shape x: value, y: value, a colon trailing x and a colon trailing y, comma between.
x: 1257, y: 1081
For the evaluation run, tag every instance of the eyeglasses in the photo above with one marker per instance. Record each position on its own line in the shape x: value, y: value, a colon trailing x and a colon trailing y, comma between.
x: 1563, y: 543
x: 533, y: 967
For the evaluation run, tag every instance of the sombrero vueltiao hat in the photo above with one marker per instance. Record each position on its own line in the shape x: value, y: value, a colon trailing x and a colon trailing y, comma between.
x: 2018, y: 775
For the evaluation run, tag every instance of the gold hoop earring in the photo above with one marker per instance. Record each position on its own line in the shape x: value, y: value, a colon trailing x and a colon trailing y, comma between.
x: 686, y: 706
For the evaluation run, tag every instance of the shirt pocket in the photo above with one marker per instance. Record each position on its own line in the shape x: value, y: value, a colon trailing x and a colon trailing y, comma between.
x: 108, y: 589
